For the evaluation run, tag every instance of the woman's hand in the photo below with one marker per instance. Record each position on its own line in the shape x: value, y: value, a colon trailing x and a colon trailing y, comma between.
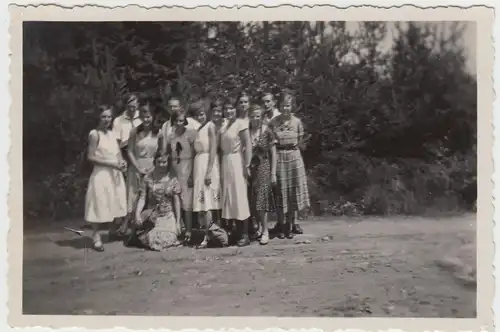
x: 273, y: 179
x: 248, y: 172
x: 208, y: 180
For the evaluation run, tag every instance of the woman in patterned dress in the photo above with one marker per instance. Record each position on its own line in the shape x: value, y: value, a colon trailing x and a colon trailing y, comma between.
x: 157, y: 214
x: 235, y: 140
x: 263, y: 170
x: 292, y: 194
x: 181, y: 148
x: 206, y: 173
x: 142, y: 147
x: 106, y: 197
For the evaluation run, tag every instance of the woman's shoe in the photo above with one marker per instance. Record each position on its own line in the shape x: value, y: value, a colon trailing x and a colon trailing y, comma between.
x: 245, y: 241
x: 288, y: 231
x: 98, y: 246
x: 264, y: 239
x: 296, y: 229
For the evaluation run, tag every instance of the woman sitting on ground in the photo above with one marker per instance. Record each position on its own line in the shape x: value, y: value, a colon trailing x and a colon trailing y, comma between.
x: 157, y: 215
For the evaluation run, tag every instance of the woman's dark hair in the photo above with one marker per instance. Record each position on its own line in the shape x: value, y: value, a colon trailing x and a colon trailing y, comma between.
x: 230, y: 100
x: 175, y: 117
x: 145, y: 108
x: 159, y: 155
x: 266, y: 93
x: 103, y: 108
x: 128, y: 97
x: 289, y: 95
x: 244, y: 94
x: 252, y: 109
x: 217, y: 102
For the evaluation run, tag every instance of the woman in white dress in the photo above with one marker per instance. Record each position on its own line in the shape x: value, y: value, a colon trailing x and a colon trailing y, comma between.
x: 142, y: 147
x: 236, y: 156
x: 206, y: 173
x: 181, y: 148
x: 217, y: 109
x: 106, y: 197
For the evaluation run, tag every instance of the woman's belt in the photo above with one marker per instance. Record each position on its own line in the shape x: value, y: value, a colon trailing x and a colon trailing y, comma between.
x: 287, y: 147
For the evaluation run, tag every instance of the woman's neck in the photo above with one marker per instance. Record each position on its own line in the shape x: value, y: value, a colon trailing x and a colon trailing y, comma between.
x: 254, y: 127
x: 103, y: 129
x: 159, y: 173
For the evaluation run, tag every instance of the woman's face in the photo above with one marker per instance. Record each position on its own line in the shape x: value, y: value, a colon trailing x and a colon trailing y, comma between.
x: 286, y: 107
x: 268, y: 102
x: 217, y: 113
x: 162, y: 163
x: 255, y: 116
x: 229, y: 112
x: 201, y: 116
x: 147, y: 118
x: 180, y: 121
x: 106, y: 118
x: 244, y: 103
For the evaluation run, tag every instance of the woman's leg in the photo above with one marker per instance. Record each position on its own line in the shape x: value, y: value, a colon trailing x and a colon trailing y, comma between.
x: 280, y: 224
x: 204, y: 220
x: 245, y: 240
x: 188, y: 215
x: 290, y: 216
x: 97, y: 237
x: 264, y: 239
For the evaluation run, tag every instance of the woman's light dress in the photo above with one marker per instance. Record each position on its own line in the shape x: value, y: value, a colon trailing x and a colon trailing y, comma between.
x: 144, y: 147
x: 234, y: 184
x: 181, y: 147
x: 106, y: 197
x: 205, y: 197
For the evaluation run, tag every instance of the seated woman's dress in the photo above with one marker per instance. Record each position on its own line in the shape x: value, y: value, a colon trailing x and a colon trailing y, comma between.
x: 158, y: 230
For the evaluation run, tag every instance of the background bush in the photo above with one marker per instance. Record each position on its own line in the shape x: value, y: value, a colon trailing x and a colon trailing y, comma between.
x: 391, y: 132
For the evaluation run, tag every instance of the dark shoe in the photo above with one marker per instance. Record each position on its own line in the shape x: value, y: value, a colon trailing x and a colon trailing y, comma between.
x: 288, y: 231
x: 245, y: 241
x: 296, y: 229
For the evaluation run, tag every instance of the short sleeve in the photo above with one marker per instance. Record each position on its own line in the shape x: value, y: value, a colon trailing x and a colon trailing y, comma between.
x: 243, y: 125
x: 300, y: 129
x: 116, y: 127
x: 175, y: 186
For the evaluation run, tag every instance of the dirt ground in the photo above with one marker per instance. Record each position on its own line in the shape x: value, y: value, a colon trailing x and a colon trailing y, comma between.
x: 397, y: 267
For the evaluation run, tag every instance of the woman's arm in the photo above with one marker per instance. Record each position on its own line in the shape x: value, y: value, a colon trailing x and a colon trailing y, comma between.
x: 247, y: 146
x: 212, y: 143
x: 131, y: 149
x: 91, y: 152
x: 141, y: 201
x: 301, y: 135
x: 177, y: 209
x: 272, y: 143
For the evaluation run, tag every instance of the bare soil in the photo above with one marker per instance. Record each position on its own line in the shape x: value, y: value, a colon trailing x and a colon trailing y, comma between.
x: 379, y: 267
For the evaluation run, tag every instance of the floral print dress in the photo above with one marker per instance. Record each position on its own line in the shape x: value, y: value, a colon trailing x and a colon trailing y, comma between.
x: 262, y: 196
x: 159, y: 228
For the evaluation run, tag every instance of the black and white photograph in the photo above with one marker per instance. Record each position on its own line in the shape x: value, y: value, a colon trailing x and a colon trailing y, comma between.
x: 250, y: 168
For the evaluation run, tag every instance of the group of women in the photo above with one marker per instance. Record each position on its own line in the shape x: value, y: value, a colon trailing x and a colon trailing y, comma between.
x: 231, y: 163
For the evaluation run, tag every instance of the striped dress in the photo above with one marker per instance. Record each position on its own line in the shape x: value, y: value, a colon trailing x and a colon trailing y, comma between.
x: 292, y: 194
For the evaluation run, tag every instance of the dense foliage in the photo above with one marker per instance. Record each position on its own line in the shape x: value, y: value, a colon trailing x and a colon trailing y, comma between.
x: 391, y: 131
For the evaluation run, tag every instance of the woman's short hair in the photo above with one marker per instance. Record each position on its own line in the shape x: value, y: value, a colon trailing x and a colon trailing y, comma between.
x: 175, y: 116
